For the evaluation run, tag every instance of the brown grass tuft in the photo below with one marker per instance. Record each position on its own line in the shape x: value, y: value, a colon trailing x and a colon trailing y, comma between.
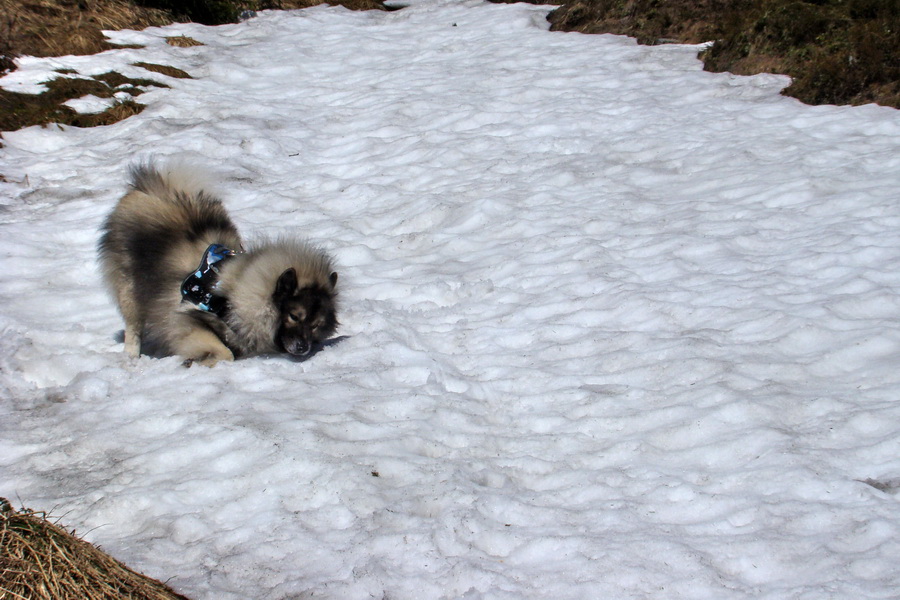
x: 40, y: 560
x: 119, y: 111
x: 164, y: 69
x: 182, y: 41
x: 60, y: 27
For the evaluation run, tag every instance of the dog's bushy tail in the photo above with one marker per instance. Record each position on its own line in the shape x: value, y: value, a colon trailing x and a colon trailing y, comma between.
x: 169, y: 179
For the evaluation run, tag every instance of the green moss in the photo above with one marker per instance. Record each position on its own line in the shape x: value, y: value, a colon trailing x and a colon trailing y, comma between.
x: 837, y: 52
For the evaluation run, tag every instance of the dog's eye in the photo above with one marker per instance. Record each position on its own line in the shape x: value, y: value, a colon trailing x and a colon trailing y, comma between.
x: 292, y: 318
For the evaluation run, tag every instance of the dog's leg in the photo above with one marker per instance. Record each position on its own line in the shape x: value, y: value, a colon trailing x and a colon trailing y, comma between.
x: 134, y: 322
x: 202, y: 346
x: 133, y: 340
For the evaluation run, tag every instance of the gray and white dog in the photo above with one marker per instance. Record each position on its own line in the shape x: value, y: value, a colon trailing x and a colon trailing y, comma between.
x: 175, y: 263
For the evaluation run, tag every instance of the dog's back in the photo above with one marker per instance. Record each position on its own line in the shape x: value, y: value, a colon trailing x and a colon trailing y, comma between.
x: 155, y: 236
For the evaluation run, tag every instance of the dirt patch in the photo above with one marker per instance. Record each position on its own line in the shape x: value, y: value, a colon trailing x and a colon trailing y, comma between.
x: 649, y: 21
x: 23, y: 110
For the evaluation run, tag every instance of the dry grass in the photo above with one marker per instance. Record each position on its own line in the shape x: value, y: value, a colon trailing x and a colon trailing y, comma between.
x: 39, y: 560
x: 163, y: 69
x: 182, y: 41
x: 60, y: 27
x: 122, y: 109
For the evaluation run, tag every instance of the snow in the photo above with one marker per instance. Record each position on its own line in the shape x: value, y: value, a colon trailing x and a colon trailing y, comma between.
x: 612, y: 326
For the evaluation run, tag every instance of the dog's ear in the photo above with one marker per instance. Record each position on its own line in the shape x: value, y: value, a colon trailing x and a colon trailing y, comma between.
x: 286, y: 285
x: 333, y: 279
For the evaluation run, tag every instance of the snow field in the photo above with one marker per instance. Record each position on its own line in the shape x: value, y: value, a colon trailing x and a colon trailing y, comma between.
x: 613, y: 327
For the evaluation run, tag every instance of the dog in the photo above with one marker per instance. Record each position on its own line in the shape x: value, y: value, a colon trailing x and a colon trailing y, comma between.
x: 174, y: 262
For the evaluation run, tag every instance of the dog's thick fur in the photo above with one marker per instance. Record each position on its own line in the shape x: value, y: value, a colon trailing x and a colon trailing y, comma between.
x: 280, y: 296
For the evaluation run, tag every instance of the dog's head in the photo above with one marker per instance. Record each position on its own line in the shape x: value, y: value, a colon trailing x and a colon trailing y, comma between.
x: 307, y: 312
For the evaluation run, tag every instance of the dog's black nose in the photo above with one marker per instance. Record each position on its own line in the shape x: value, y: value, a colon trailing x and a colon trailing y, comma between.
x: 298, y: 347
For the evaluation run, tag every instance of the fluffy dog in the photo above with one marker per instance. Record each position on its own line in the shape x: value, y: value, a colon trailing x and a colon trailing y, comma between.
x: 175, y: 263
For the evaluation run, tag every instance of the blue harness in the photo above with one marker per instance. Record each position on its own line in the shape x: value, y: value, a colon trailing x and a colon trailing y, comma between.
x: 199, y: 288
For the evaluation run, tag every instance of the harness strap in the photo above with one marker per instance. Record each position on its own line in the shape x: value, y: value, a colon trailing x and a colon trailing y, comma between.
x: 200, y: 287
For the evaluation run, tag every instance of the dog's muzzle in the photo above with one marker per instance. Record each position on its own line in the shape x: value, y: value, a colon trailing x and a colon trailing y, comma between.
x: 297, y: 346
